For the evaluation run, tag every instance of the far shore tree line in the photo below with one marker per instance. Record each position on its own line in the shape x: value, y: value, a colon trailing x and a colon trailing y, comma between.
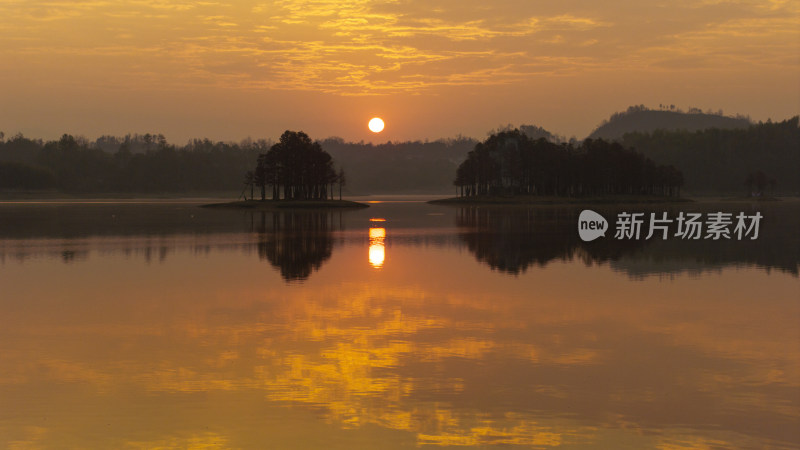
x: 509, y: 163
x: 763, y: 159
x: 145, y: 164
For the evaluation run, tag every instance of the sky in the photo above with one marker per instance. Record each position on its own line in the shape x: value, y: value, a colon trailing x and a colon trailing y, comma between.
x: 431, y: 69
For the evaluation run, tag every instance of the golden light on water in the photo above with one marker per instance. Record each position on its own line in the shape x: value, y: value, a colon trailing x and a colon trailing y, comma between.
x: 434, y: 362
x: 377, y: 249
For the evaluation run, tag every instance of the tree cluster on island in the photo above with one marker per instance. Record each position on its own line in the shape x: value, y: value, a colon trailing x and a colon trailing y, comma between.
x: 510, y: 163
x: 295, y: 168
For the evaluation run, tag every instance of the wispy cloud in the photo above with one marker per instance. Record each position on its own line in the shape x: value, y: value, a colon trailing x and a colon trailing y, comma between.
x: 366, y: 47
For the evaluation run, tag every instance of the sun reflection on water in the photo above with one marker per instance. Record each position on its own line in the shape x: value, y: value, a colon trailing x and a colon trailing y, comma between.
x: 377, y: 248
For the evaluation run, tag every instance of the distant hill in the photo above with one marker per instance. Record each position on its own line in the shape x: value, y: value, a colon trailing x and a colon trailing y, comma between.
x: 535, y: 132
x: 640, y: 119
x: 716, y: 161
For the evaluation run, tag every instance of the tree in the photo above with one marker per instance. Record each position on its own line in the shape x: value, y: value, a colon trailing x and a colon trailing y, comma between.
x: 342, y: 181
x: 260, y: 176
x: 756, y: 181
x: 15, y: 175
x: 249, y: 181
x: 297, y: 166
x: 509, y: 163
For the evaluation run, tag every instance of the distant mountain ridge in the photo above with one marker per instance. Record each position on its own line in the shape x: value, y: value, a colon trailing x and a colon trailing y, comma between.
x: 640, y: 119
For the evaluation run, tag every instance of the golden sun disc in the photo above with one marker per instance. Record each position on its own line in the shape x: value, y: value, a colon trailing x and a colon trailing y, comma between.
x: 376, y: 125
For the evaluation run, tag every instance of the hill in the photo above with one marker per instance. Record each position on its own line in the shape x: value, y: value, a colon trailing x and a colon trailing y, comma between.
x: 644, y: 120
x: 763, y: 159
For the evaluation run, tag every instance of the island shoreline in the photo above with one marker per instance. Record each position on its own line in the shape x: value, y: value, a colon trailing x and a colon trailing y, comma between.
x: 552, y: 200
x: 271, y: 205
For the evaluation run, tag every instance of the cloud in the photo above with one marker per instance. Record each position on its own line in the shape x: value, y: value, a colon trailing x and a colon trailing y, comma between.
x: 366, y: 47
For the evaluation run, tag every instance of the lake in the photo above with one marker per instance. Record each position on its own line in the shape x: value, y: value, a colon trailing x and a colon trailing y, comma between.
x: 160, y: 324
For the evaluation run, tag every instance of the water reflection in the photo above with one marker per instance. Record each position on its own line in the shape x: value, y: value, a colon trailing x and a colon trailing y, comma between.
x: 511, y: 240
x: 377, y: 248
x: 506, y: 239
x: 204, y: 350
x: 296, y: 242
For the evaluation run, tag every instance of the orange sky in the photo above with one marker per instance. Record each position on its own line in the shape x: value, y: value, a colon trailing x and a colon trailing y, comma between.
x: 232, y: 69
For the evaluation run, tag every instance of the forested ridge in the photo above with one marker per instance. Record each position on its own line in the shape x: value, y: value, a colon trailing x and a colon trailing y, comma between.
x: 729, y: 161
x: 640, y: 118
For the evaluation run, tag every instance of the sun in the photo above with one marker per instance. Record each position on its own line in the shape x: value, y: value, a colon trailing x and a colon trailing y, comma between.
x: 376, y: 125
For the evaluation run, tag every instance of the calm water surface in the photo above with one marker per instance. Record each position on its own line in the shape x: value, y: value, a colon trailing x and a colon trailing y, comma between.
x: 164, y: 325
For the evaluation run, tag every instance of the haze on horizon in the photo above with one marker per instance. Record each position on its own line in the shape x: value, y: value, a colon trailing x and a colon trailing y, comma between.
x: 228, y: 70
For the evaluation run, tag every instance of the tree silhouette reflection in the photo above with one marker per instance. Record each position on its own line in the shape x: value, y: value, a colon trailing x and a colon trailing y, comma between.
x: 512, y: 239
x: 297, y: 243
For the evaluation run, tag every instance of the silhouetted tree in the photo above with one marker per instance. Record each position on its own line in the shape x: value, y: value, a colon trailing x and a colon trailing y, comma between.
x: 249, y: 181
x: 509, y: 163
x: 15, y: 175
x: 340, y: 178
x: 756, y: 181
x: 296, y: 165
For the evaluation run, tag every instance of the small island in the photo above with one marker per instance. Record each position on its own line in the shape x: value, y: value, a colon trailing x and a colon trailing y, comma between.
x: 269, y: 205
x: 510, y: 168
x: 298, y: 173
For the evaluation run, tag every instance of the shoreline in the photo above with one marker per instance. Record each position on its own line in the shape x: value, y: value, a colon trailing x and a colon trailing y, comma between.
x: 609, y: 200
x: 7, y: 196
x: 52, y: 195
x: 271, y: 205
x: 552, y: 200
